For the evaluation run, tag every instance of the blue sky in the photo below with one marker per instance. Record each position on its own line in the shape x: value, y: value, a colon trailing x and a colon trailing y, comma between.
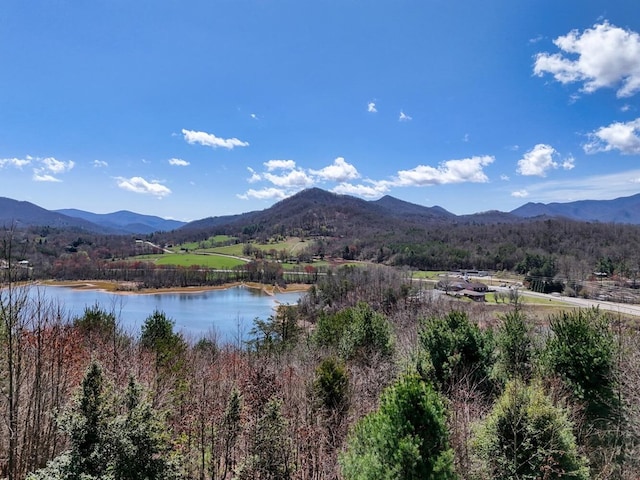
x: 189, y: 109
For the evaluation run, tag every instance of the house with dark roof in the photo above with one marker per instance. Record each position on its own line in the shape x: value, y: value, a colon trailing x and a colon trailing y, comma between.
x: 465, y: 288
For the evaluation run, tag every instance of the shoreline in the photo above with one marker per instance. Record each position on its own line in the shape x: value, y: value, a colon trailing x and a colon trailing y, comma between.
x: 129, y: 288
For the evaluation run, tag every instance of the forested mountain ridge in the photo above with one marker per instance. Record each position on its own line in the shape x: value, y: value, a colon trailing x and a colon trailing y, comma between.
x: 618, y: 210
x: 317, y: 210
x: 394, y: 232
x: 24, y: 214
x: 387, y: 231
x: 125, y: 221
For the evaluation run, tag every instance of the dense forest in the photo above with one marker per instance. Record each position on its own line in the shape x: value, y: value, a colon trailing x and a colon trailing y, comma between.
x: 368, y: 377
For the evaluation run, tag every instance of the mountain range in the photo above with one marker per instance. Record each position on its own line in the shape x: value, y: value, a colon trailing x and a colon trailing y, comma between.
x: 316, y: 207
x: 619, y: 210
x: 25, y: 214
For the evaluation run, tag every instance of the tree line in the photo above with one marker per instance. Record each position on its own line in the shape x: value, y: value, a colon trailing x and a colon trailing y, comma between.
x: 554, y: 254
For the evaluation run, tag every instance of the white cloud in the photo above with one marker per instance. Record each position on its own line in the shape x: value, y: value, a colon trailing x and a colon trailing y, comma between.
x: 292, y: 179
x: 339, y: 171
x: 56, y: 166
x: 264, y: 194
x: 520, y: 194
x: 100, y: 164
x: 15, y: 162
x: 254, y: 116
x: 404, y: 117
x: 178, y: 162
x: 374, y: 190
x: 44, y: 169
x: 450, y: 171
x: 49, y: 167
x: 536, y: 39
x: 371, y: 107
x: 255, y: 176
x: 140, y: 185
x: 569, y: 163
x: 624, y: 137
x: 504, y: 177
x: 280, y: 165
x: 210, y: 140
x: 607, y: 56
x: 537, y: 161
x: 40, y: 176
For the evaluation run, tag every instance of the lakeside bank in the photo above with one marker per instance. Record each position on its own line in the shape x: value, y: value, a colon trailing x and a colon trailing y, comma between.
x: 130, y: 288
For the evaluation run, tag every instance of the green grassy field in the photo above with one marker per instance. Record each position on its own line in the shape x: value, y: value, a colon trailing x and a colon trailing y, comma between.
x: 430, y: 275
x: 208, y: 254
x: 292, y: 245
x: 529, y: 300
x: 300, y: 266
x: 235, y: 250
x: 190, y: 259
x: 209, y: 243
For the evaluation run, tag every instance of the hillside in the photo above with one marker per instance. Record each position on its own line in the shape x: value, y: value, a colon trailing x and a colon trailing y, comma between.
x: 315, y: 211
x: 125, y: 221
x: 24, y: 214
x: 618, y: 210
x: 406, y: 209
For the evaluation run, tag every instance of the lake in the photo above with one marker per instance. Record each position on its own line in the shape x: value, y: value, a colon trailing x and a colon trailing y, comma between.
x: 229, y: 312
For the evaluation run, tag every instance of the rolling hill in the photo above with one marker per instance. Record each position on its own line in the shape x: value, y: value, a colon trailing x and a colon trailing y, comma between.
x: 618, y: 210
x: 25, y: 214
x: 318, y: 212
x: 125, y: 221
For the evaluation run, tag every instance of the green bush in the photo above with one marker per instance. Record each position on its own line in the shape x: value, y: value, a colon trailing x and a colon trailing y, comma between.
x: 406, y: 438
x: 331, y: 386
x: 108, y: 445
x: 526, y: 437
x: 454, y: 348
x: 356, y: 333
x: 582, y: 352
x: 514, y: 348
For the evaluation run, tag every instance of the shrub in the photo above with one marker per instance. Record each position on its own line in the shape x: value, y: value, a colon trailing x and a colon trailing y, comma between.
x: 526, y: 437
x: 406, y: 438
x: 453, y: 347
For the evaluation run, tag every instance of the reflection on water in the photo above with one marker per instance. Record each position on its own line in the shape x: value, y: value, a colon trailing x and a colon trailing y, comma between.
x: 229, y: 312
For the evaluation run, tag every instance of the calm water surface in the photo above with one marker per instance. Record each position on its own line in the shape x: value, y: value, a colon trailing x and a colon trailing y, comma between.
x: 230, y: 312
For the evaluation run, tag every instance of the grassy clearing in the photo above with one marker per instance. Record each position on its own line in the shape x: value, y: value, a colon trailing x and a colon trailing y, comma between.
x: 190, y: 259
x: 529, y: 300
x: 423, y: 275
x: 209, y: 243
x: 300, y: 266
x: 235, y: 250
x: 292, y: 245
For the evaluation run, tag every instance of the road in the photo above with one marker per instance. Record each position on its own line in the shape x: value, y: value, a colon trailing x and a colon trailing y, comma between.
x: 623, y: 308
